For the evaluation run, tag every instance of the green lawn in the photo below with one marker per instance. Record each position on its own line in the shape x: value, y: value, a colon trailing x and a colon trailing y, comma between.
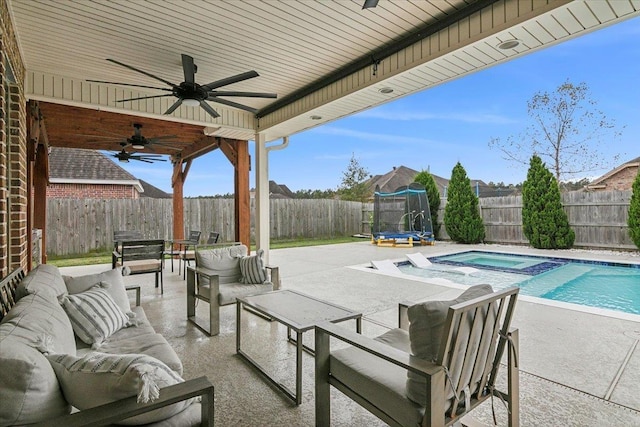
x: 105, y: 258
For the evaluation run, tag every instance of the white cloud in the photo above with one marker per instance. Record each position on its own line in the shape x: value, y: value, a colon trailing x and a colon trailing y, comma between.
x: 386, y: 114
x: 374, y: 136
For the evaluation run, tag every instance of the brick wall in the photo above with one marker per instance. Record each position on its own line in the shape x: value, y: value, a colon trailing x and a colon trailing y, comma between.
x: 13, y: 162
x: 91, y: 191
x: 621, y: 181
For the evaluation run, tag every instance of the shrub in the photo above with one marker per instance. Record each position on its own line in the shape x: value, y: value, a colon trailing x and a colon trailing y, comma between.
x: 433, y: 195
x: 462, y: 218
x: 634, y: 212
x: 544, y: 222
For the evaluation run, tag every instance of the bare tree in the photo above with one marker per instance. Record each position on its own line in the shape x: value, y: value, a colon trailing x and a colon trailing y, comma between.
x: 354, y: 178
x: 566, y: 132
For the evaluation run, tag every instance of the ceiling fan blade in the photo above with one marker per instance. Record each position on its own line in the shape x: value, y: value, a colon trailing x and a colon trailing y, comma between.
x: 129, y: 84
x: 158, y: 138
x: 174, y: 106
x: 144, y: 97
x: 206, y: 107
x: 369, y: 4
x: 141, y: 160
x: 233, y: 104
x: 244, y: 94
x: 147, y: 156
x: 189, y: 69
x: 141, y: 71
x: 230, y: 80
x: 162, y: 144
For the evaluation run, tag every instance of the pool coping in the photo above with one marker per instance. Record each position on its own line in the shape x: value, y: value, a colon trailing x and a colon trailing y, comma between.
x: 535, y: 300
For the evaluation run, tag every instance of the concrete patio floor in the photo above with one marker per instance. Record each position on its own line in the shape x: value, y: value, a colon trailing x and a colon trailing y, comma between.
x: 578, y: 368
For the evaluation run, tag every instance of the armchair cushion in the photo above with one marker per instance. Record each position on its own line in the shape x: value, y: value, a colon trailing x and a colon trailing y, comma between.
x: 427, y: 321
x: 381, y: 383
x: 222, y: 261
x: 94, y: 315
x: 252, y: 269
x: 117, y: 289
x: 99, y: 378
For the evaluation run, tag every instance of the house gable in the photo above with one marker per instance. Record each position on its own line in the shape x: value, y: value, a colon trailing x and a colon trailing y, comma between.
x: 79, y: 173
x: 618, y: 179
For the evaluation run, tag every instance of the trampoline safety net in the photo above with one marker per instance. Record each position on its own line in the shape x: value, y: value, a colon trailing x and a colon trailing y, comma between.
x: 402, y: 214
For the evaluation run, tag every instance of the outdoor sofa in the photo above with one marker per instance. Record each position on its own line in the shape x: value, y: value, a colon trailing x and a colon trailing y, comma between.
x: 74, y: 344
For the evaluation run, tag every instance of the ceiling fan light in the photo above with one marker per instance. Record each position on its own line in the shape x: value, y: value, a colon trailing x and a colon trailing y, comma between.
x: 190, y: 102
x: 137, y: 146
x: 124, y: 160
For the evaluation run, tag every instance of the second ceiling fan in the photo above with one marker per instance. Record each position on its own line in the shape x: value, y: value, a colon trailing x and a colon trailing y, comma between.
x: 193, y: 94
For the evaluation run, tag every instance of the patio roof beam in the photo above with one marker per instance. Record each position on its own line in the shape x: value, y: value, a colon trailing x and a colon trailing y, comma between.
x: 376, y: 56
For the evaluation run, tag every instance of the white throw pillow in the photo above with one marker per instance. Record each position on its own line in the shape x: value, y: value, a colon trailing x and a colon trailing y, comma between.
x: 252, y: 269
x: 99, y: 378
x: 94, y: 315
x: 76, y: 285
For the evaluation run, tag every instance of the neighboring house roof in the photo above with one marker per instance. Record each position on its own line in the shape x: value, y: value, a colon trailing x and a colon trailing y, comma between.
x: 153, y: 191
x: 80, y: 166
x: 276, y: 191
x: 600, y: 183
x: 393, y: 179
x: 403, y: 175
x: 279, y: 191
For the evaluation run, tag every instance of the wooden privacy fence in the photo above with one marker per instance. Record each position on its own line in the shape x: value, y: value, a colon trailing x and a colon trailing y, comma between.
x: 599, y: 219
x: 81, y: 226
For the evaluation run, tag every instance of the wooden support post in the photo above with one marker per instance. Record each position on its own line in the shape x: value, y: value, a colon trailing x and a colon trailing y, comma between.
x: 40, y: 182
x: 238, y: 154
x: 177, y: 182
x: 242, y: 203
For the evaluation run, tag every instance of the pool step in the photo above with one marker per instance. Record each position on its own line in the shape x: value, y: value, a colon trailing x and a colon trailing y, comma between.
x: 551, y: 280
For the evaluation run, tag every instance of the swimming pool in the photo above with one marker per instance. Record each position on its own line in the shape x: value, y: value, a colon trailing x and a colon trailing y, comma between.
x: 613, y: 286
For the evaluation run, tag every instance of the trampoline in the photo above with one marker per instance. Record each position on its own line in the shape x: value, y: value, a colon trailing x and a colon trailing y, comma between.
x: 402, y: 218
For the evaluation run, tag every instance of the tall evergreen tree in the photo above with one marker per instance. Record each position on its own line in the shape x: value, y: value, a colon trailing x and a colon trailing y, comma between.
x: 634, y: 212
x: 433, y: 196
x: 544, y: 222
x: 462, y: 218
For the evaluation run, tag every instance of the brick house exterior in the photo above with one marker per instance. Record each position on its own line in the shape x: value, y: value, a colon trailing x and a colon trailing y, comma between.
x: 13, y: 150
x: 88, y: 174
x: 618, y: 179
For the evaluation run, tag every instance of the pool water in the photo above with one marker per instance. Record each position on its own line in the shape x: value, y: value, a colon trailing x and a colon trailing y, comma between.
x: 596, y: 284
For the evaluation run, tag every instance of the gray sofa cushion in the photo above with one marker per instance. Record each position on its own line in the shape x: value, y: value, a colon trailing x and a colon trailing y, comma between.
x: 380, y: 382
x: 154, y: 345
x: 34, y: 395
x: 425, y: 332
x: 45, y: 278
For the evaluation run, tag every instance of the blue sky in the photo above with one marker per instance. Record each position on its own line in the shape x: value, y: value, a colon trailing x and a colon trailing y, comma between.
x: 452, y: 122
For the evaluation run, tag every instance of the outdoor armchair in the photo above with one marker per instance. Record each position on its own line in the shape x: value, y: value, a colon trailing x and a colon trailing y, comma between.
x: 223, y: 274
x: 141, y: 256
x: 188, y: 255
x: 441, y: 369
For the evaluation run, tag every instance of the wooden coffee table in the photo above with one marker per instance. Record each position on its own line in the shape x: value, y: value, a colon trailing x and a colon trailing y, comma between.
x: 298, y: 312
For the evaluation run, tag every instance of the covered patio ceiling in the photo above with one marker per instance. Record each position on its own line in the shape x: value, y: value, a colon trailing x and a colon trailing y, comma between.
x: 324, y: 59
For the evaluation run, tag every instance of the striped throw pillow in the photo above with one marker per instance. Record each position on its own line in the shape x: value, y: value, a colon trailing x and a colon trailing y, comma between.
x: 99, y: 378
x: 252, y: 269
x: 94, y: 315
